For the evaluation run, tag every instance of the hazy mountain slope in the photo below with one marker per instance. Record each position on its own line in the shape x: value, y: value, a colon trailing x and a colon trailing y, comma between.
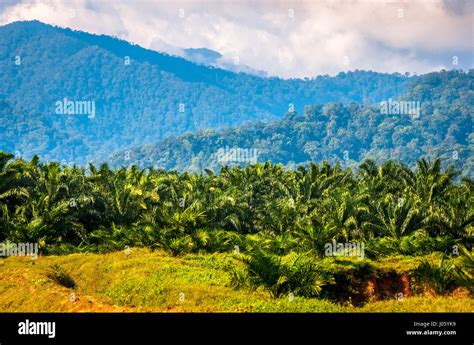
x: 139, y: 96
x: 202, y: 55
x: 336, y: 132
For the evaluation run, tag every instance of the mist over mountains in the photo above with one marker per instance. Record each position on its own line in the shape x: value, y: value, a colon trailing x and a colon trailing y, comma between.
x: 212, y: 58
x: 140, y: 96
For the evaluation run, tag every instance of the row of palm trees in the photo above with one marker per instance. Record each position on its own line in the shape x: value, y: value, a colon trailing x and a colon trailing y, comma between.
x: 262, y: 205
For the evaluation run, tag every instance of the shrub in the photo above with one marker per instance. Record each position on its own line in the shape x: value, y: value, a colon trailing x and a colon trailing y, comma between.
x: 418, y: 243
x: 294, y: 273
x: 303, y: 276
x: 381, y: 247
x: 178, y: 245
x: 465, y: 270
x: 440, y: 276
x: 212, y: 241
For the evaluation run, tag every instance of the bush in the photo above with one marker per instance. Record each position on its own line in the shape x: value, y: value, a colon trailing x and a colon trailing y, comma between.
x: 381, y: 247
x: 440, y: 276
x: 212, y: 241
x: 465, y: 269
x: 418, y: 243
x: 294, y: 273
x: 177, y: 245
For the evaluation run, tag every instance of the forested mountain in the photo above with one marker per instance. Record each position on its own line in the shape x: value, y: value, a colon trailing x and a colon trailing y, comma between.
x: 440, y: 127
x: 137, y: 95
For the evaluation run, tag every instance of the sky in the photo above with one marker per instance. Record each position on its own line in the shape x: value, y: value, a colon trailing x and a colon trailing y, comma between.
x: 289, y: 39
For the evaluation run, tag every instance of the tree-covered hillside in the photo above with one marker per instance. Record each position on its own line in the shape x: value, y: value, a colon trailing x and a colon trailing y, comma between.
x: 140, y: 96
x: 442, y: 127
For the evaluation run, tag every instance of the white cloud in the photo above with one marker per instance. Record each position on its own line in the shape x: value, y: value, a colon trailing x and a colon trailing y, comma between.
x: 378, y: 35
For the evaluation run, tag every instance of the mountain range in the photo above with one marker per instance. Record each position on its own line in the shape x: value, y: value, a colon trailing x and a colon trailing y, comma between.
x: 51, y: 78
x: 432, y: 119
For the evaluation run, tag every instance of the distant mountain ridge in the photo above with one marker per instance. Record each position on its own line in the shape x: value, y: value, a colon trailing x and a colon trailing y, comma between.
x: 140, y: 96
x: 202, y: 55
x: 434, y: 118
x: 212, y: 58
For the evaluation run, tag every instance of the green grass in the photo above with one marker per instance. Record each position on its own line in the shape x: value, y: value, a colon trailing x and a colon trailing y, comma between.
x: 148, y: 280
x: 421, y: 305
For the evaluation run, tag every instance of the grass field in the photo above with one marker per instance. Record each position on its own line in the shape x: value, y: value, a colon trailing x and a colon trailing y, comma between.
x: 152, y: 281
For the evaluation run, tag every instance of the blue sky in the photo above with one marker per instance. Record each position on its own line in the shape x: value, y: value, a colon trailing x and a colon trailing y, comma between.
x: 284, y: 38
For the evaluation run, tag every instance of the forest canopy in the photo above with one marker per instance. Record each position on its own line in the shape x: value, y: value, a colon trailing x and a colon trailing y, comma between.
x: 140, y: 96
x: 438, y: 123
